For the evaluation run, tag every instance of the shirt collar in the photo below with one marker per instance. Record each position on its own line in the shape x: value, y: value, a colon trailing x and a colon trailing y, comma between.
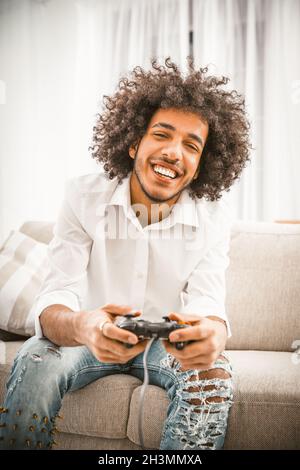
x: 121, y: 195
x: 183, y: 212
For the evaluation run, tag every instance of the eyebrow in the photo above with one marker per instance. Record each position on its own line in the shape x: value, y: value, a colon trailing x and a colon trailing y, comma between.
x: 172, y: 128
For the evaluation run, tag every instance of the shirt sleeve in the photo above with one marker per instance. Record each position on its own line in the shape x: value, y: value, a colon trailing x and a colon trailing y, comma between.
x: 205, y: 291
x: 68, y: 256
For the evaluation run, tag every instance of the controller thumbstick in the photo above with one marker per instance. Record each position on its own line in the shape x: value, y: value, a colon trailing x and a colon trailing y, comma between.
x: 166, y: 319
x: 129, y: 315
x: 179, y: 346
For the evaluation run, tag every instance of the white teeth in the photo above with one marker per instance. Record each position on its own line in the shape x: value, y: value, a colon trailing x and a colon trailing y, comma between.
x: 164, y: 171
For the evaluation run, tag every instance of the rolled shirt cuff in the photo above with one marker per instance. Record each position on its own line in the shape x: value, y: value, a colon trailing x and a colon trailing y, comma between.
x: 67, y: 298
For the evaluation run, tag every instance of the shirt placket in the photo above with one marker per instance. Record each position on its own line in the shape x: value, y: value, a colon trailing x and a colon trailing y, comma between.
x: 140, y: 273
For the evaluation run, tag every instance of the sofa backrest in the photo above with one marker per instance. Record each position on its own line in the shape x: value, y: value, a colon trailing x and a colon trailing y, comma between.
x: 263, y: 283
x: 263, y: 286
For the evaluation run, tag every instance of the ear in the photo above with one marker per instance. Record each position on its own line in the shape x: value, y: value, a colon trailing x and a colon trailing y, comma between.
x: 132, y: 150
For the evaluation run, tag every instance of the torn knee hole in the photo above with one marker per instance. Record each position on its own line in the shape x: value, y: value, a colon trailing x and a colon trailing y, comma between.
x: 53, y: 350
x: 49, y: 349
x: 215, y: 399
x: 206, y: 388
x: 216, y: 373
x: 36, y: 358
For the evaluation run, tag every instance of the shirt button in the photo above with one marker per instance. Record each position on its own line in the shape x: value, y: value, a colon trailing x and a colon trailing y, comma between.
x: 140, y: 275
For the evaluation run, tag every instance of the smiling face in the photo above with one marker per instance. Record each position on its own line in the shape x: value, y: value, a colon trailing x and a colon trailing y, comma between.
x: 167, y: 158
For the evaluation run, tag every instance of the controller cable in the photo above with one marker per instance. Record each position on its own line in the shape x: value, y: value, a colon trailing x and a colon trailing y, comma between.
x: 142, y: 394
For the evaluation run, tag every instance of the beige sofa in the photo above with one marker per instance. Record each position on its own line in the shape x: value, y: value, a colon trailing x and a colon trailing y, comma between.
x: 263, y: 302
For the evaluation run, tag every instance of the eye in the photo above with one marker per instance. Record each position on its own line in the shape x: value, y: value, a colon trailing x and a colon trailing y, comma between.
x: 193, y: 147
x: 158, y: 134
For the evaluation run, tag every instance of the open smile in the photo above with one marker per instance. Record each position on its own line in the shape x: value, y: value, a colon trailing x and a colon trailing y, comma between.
x: 163, y: 174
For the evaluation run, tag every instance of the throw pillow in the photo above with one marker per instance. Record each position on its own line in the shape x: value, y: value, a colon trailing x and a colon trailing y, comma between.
x: 23, y: 267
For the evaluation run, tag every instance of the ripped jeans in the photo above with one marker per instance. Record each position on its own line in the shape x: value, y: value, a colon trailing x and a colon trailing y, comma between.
x: 43, y: 372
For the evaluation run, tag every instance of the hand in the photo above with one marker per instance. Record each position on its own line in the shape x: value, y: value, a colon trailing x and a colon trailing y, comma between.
x: 108, y: 344
x: 208, y: 336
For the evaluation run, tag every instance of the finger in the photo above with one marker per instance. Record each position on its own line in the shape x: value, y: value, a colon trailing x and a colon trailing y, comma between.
x: 103, y: 355
x: 197, y: 332
x: 111, y: 346
x: 108, y: 358
x: 135, y: 350
x: 198, y: 362
x: 127, y: 355
x: 138, y: 348
x: 184, y: 317
x: 120, y: 350
x: 114, y: 332
x: 115, y: 309
x: 192, y: 351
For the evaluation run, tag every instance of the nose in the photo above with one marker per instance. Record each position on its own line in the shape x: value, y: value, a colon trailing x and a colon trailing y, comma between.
x: 172, y: 153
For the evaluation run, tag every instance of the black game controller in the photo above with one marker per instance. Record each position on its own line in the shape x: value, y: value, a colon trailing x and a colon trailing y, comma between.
x: 144, y: 329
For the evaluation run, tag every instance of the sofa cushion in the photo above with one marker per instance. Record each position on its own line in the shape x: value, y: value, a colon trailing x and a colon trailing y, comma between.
x: 265, y: 414
x: 23, y: 266
x: 79, y: 442
x: 263, y: 279
x: 266, y: 410
x: 156, y: 403
x: 99, y: 409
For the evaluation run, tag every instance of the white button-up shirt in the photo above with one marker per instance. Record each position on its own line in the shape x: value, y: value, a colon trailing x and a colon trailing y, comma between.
x: 101, y: 254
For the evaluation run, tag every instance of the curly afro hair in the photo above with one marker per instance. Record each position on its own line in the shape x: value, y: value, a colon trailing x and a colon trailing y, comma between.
x: 127, y: 113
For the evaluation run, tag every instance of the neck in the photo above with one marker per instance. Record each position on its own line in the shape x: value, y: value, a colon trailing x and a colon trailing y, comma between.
x: 152, y: 211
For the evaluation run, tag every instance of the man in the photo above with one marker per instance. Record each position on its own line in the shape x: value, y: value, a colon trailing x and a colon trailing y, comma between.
x: 152, y: 238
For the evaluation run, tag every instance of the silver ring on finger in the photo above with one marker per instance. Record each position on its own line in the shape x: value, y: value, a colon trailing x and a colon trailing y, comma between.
x: 101, y: 326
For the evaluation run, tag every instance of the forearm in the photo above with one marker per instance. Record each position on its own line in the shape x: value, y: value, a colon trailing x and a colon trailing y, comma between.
x: 60, y: 325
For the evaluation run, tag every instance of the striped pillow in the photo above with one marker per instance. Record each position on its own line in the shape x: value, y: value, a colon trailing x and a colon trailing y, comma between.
x: 23, y: 267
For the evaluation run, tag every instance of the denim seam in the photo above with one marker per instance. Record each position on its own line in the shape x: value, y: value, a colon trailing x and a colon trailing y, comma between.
x: 156, y: 369
x: 174, y: 411
x: 85, y: 370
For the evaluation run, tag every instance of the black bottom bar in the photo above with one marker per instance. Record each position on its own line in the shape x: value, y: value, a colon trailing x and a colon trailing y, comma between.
x: 135, y: 459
